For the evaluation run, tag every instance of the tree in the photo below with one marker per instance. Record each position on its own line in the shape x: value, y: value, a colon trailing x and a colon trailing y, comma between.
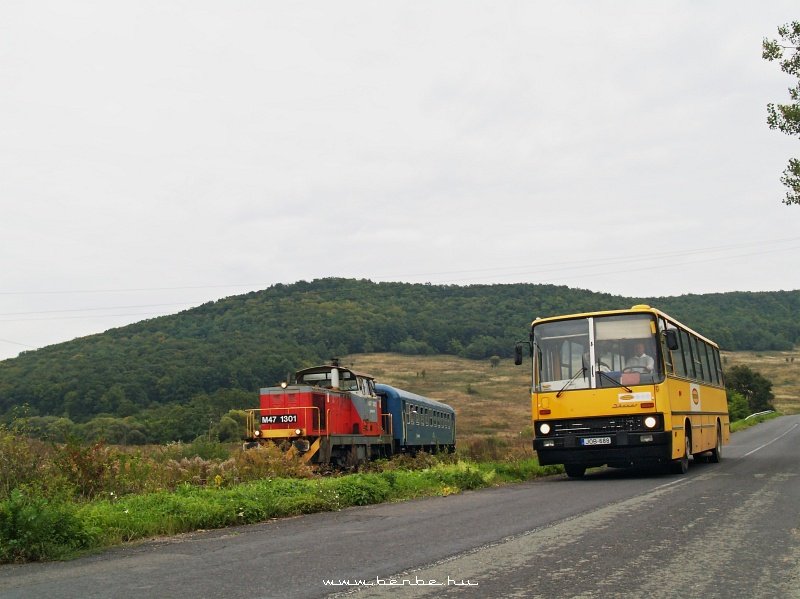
x: 786, y: 117
x: 738, y: 408
x: 229, y: 430
x: 752, y: 385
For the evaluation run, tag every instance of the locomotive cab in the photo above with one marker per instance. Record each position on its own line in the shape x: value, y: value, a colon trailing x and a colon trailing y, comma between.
x: 337, y: 378
x: 329, y: 414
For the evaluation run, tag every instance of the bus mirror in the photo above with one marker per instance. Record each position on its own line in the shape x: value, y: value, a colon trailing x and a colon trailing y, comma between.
x: 517, y: 354
x: 672, y: 339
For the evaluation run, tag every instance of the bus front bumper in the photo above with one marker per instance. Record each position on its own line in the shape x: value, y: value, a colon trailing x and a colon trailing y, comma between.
x: 620, y: 450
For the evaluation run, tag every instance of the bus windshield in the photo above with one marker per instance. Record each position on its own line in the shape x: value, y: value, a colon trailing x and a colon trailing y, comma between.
x: 601, y: 351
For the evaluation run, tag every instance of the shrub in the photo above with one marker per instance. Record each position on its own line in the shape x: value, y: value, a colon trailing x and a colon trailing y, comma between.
x: 35, y: 528
x: 268, y: 461
x: 87, y: 467
x: 25, y: 461
x: 362, y: 489
x: 462, y: 476
x: 407, y: 461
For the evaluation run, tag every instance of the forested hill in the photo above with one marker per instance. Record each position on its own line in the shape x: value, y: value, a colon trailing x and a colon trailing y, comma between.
x: 252, y: 340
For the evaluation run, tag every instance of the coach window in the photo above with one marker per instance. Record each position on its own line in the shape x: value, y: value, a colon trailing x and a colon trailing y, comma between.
x: 697, y: 348
x: 662, y: 326
x: 704, y: 361
x: 688, y: 358
x: 717, y: 366
x: 678, y: 356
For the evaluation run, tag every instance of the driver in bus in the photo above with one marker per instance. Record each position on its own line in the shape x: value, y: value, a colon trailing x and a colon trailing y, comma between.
x: 640, y: 359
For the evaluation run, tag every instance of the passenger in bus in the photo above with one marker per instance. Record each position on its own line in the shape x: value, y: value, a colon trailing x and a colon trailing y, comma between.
x: 640, y: 359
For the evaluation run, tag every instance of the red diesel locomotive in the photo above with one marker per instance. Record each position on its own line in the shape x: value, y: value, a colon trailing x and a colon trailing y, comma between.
x: 332, y: 414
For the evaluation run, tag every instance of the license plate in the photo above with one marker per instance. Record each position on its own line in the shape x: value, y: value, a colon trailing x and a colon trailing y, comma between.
x: 596, y: 441
x: 279, y: 419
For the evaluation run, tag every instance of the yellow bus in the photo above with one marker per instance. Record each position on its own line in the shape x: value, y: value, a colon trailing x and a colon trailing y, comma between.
x: 624, y: 388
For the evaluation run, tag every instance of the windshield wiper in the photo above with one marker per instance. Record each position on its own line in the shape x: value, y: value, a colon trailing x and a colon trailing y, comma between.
x: 572, y: 380
x: 613, y: 380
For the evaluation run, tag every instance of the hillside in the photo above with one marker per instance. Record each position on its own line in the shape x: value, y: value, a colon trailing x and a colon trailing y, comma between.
x: 170, y: 376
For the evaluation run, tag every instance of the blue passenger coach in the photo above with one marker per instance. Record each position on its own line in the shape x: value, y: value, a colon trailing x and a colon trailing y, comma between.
x: 418, y: 423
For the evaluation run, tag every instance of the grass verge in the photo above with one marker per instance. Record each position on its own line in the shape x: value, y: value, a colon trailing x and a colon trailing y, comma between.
x: 37, y: 528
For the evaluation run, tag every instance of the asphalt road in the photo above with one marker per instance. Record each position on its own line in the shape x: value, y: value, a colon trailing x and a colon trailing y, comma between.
x: 724, y: 530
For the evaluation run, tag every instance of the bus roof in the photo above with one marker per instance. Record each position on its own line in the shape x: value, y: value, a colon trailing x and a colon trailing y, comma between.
x: 637, y: 309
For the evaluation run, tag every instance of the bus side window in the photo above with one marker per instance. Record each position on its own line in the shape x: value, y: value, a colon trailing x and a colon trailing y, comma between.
x: 670, y: 367
x: 718, y: 367
x: 680, y: 362
x: 698, y: 348
x: 703, y: 348
x: 688, y: 357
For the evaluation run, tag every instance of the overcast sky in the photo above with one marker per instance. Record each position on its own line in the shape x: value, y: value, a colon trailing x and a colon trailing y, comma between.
x: 155, y: 155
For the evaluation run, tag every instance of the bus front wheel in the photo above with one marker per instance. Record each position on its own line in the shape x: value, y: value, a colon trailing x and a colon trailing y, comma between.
x: 575, y: 470
x: 681, y: 466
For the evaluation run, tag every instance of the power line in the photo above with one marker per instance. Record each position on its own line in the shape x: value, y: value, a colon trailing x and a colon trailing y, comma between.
x: 128, y: 290
x: 591, y: 262
x: 99, y: 309
x: 596, y: 264
x: 516, y: 269
x: 17, y: 343
x: 88, y: 317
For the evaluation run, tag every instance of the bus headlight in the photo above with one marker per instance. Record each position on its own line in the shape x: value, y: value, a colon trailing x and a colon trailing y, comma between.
x: 650, y: 422
x: 544, y: 428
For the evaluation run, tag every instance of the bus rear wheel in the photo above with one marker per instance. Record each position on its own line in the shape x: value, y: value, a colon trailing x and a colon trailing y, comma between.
x: 716, y: 453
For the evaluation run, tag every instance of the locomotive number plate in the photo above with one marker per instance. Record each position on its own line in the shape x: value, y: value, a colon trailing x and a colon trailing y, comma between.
x: 279, y: 419
x: 596, y: 441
